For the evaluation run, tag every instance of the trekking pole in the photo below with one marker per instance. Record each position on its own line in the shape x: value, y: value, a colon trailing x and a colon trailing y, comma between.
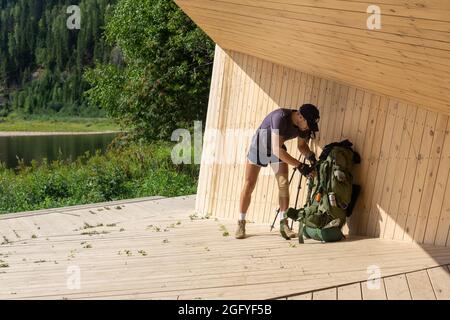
x: 296, y: 199
x: 298, y: 190
x: 278, y: 210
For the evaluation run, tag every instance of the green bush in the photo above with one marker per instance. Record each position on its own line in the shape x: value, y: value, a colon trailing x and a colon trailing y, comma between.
x: 162, y: 82
x: 123, y: 172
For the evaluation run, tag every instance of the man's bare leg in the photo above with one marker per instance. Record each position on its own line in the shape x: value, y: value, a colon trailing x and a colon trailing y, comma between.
x: 251, y: 176
x: 281, y: 171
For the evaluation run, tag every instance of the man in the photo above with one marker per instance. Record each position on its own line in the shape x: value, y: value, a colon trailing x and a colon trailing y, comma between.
x: 267, y: 146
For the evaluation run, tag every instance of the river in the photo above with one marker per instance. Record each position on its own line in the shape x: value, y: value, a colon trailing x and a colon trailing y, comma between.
x: 50, y: 146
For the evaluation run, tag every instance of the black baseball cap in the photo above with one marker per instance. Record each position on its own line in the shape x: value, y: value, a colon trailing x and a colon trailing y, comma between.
x: 311, y: 115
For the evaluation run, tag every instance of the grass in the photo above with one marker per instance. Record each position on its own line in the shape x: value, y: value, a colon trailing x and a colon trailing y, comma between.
x: 123, y: 172
x: 72, y: 253
x: 142, y: 252
x: 224, y: 230
x: 193, y: 216
x: 93, y: 233
x: 5, y: 241
x: 154, y: 228
x: 128, y: 253
x: 58, y: 124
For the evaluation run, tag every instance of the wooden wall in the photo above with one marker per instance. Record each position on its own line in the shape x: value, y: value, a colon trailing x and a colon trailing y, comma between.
x: 405, y: 148
x: 409, y: 57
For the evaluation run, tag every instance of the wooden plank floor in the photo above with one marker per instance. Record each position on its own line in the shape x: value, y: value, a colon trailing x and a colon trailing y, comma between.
x: 428, y: 284
x: 157, y: 249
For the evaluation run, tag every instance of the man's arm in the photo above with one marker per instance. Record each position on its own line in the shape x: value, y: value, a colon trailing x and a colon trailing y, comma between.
x: 303, y: 147
x: 306, y: 151
x: 277, y: 142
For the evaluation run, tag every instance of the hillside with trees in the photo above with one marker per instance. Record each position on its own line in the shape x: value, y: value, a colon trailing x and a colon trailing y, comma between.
x: 42, y: 61
x: 142, y: 62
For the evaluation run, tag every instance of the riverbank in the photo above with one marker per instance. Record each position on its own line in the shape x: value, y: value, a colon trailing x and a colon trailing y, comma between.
x: 57, y: 125
x: 48, y: 133
x: 132, y: 171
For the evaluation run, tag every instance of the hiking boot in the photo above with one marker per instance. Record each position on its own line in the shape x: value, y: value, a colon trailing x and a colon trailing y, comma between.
x: 285, y: 232
x: 240, y: 232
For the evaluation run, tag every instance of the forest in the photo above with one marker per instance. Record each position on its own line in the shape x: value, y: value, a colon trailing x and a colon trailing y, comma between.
x: 143, y: 63
x: 42, y: 61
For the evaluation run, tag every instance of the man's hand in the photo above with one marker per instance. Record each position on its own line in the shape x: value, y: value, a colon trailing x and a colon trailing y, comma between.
x: 312, y: 158
x: 304, y: 149
x: 305, y: 170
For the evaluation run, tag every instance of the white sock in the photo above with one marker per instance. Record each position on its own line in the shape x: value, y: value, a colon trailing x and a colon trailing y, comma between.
x: 242, y: 216
x: 282, y: 215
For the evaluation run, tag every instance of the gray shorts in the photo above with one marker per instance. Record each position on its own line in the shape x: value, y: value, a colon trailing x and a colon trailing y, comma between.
x: 259, y: 154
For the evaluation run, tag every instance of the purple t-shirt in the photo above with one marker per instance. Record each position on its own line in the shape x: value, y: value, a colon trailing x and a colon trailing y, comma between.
x: 280, y: 119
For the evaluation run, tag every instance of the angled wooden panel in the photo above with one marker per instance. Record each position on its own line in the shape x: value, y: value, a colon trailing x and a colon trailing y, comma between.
x: 411, y: 166
x: 399, y: 175
x: 375, y: 212
x: 365, y: 202
x: 421, y: 174
x: 436, y: 223
x: 392, y: 168
x: 407, y: 58
x: 400, y: 146
x: 235, y: 126
x: 206, y: 169
x: 430, y: 181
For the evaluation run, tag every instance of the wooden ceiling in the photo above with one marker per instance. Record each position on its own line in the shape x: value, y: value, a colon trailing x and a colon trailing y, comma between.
x: 408, y: 58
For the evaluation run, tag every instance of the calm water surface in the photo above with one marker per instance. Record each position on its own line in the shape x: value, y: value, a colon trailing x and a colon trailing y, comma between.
x: 50, y: 146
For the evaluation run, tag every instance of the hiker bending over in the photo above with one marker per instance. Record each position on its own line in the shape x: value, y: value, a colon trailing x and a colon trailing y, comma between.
x: 267, y: 146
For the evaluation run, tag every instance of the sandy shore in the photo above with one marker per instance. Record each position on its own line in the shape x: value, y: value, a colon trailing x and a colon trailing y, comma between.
x: 37, y: 133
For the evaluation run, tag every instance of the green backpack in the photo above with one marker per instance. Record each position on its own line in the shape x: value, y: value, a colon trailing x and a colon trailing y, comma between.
x: 331, y: 195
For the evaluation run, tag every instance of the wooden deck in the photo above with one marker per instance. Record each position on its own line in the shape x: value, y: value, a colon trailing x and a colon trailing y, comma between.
x: 427, y: 284
x: 157, y: 249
